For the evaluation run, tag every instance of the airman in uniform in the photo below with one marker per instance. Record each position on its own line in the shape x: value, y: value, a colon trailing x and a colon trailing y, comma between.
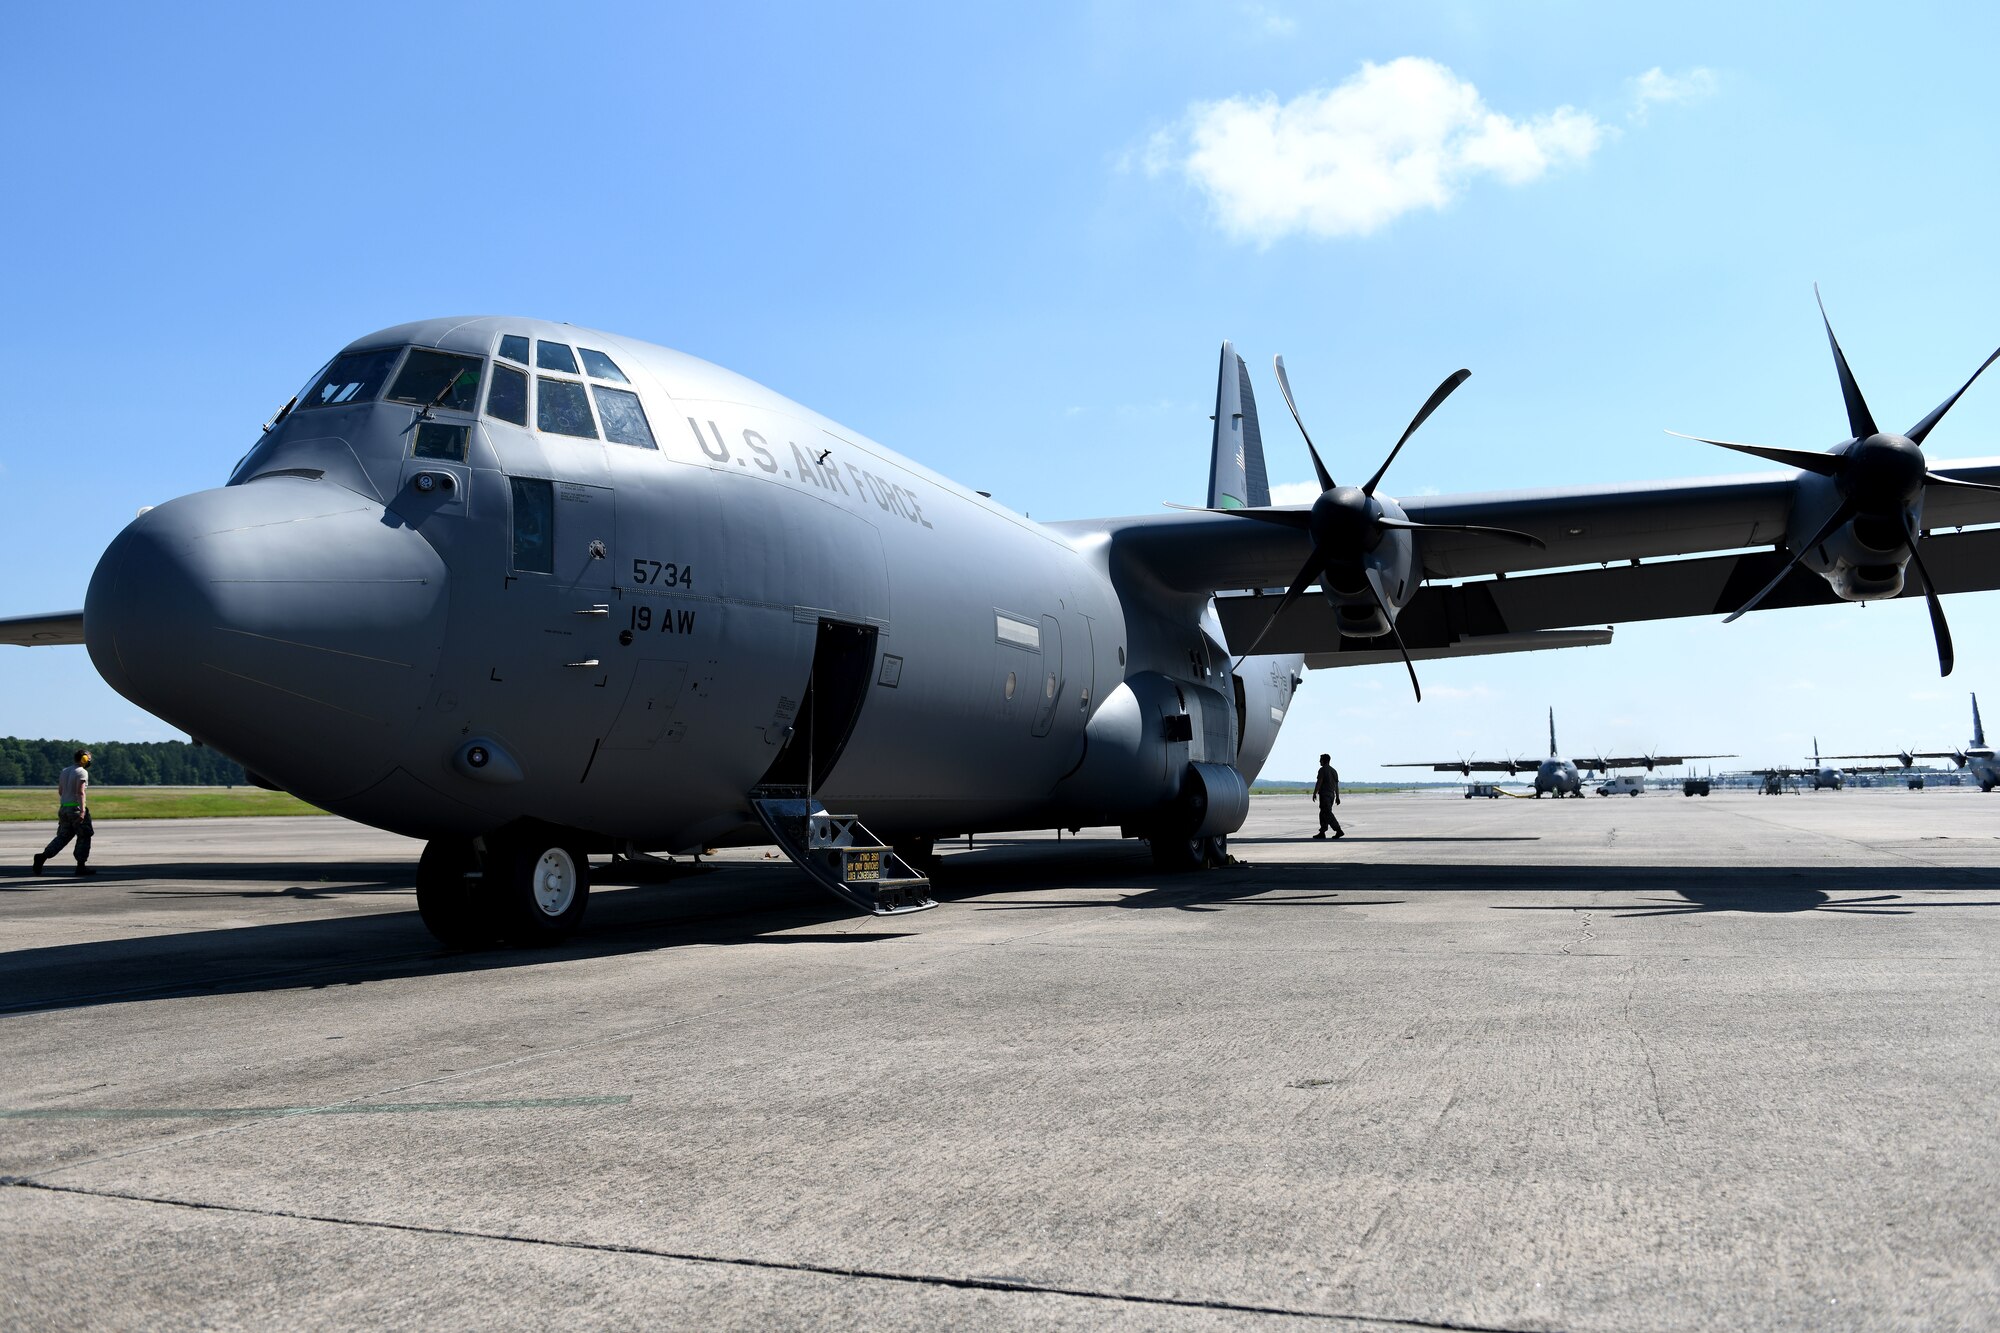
x: 72, y: 815
x: 1327, y: 788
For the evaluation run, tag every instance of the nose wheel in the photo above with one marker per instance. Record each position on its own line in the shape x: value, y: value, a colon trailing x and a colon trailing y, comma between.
x: 524, y: 889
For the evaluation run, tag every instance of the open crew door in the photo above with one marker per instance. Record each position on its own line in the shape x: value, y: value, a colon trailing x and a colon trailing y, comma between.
x: 838, y: 853
x: 836, y: 687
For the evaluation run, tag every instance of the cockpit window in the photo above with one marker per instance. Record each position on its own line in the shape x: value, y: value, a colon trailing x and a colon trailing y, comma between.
x: 555, y: 356
x: 444, y: 378
x: 561, y: 407
x: 600, y: 365
x: 507, y: 398
x: 355, y: 377
x: 438, y: 439
x: 514, y: 347
x: 624, y: 418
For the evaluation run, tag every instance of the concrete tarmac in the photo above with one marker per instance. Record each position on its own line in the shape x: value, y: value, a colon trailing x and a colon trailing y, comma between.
x: 1655, y: 1063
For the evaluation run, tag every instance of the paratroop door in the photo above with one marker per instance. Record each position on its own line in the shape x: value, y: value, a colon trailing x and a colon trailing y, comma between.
x: 1049, y: 688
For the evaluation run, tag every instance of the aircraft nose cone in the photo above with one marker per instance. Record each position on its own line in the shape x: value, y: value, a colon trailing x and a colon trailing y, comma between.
x: 290, y: 624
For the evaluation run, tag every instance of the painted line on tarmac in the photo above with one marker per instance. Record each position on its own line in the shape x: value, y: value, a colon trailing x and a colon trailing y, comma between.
x: 274, y: 1112
x: 966, y: 1283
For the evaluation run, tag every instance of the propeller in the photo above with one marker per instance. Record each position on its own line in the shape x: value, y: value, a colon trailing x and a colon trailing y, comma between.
x: 1878, y: 476
x: 1346, y: 523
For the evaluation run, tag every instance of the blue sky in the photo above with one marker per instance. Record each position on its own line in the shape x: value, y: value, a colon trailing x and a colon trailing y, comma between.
x: 1006, y: 242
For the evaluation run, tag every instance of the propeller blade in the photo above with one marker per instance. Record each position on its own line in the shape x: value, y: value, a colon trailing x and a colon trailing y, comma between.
x: 1397, y: 635
x: 1438, y: 395
x: 1285, y: 387
x: 1284, y: 518
x: 1858, y: 419
x: 1940, y: 479
x: 1923, y: 428
x: 1507, y: 533
x: 1806, y: 460
x: 1939, y: 630
x: 1314, y: 566
x: 1841, y: 513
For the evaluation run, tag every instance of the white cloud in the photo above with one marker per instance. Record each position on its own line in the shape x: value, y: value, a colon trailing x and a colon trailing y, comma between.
x: 1656, y: 87
x: 1295, y: 493
x: 1269, y: 20
x: 1348, y: 160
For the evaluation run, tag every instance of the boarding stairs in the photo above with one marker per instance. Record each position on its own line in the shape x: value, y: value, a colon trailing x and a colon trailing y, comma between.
x: 839, y: 853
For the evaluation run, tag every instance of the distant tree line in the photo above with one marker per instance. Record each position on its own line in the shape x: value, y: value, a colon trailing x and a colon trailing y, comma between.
x: 25, y: 763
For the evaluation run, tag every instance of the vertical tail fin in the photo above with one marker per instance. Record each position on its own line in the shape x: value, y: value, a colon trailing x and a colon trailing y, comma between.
x: 1552, y: 732
x: 1816, y: 763
x: 1236, y: 476
x: 1978, y: 729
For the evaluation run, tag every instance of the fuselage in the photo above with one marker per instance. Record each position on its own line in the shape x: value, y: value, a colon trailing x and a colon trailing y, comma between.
x: 491, y: 570
x: 1559, y: 777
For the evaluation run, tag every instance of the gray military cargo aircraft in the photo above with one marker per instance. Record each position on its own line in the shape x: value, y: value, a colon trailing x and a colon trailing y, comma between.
x: 1556, y: 776
x: 1976, y: 755
x: 531, y: 592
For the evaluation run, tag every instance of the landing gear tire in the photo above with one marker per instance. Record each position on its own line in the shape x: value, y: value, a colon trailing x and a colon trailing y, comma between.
x: 449, y: 895
x: 1177, y: 855
x: 919, y: 854
x: 538, y: 888
x: 1986, y: 786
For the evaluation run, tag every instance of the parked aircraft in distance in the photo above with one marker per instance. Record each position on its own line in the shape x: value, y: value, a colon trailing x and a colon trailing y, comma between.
x: 1555, y: 775
x: 1822, y: 776
x: 530, y: 592
x: 1976, y: 755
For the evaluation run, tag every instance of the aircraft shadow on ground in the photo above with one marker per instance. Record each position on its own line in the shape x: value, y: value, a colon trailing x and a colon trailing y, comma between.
x: 737, y: 904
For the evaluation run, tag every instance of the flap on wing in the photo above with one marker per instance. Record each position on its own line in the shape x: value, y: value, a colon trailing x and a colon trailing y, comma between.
x: 37, y: 631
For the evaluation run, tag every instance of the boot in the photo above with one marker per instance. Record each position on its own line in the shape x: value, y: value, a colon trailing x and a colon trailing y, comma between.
x: 39, y: 858
x: 83, y: 869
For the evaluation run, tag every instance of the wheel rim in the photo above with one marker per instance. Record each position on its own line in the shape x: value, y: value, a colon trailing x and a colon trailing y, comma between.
x: 554, y: 881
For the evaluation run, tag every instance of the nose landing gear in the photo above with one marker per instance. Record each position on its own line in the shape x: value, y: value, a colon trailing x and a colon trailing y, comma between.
x: 524, y: 888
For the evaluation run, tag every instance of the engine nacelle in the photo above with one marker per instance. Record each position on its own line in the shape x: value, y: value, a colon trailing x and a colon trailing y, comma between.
x: 1865, y: 559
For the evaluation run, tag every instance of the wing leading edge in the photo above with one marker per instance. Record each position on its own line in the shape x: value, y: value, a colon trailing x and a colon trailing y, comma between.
x: 58, y: 627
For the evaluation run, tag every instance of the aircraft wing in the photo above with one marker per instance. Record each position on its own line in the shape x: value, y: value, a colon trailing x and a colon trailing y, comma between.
x: 1607, y: 762
x: 1641, y: 551
x: 36, y: 631
x: 1914, y: 754
x: 1471, y: 766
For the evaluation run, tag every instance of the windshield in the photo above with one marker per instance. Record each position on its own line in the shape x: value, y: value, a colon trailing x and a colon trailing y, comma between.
x: 354, y: 377
x: 439, y: 377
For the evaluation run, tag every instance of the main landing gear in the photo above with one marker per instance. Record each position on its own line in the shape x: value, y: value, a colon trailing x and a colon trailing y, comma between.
x: 520, y: 887
x: 1175, y: 854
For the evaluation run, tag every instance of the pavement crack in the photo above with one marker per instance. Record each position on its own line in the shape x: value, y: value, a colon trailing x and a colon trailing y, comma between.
x: 1645, y: 1051
x: 963, y: 1283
